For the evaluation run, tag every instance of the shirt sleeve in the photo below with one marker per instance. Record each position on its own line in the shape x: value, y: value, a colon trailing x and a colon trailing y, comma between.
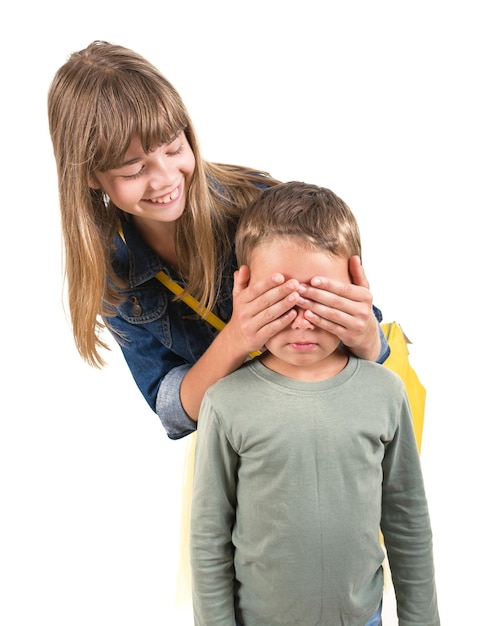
x: 212, y: 520
x: 406, y: 528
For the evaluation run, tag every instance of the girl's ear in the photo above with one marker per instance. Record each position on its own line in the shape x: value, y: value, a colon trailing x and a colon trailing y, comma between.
x: 93, y: 183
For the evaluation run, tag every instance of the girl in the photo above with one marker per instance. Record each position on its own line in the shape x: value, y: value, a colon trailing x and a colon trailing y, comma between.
x: 137, y: 198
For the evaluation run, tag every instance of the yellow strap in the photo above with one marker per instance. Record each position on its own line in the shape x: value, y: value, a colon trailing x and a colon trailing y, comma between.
x: 209, y: 316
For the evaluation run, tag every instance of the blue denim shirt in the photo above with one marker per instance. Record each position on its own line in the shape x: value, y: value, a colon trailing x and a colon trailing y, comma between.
x: 162, y: 339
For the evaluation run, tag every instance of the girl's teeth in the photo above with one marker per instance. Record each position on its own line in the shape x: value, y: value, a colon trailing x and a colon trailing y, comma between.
x: 168, y: 197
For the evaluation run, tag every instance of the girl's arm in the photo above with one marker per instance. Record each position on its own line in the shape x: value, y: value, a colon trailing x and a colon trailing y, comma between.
x: 172, y: 369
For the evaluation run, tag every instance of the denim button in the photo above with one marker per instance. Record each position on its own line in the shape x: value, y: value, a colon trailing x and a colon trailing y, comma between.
x: 136, y: 308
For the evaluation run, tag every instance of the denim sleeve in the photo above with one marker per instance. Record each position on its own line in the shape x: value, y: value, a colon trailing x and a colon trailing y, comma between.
x: 385, y: 348
x: 168, y: 405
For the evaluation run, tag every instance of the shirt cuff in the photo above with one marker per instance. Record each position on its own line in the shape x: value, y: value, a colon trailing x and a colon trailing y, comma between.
x: 175, y: 420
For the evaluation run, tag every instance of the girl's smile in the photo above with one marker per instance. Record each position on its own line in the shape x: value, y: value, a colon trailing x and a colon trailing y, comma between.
x: 167, y: 199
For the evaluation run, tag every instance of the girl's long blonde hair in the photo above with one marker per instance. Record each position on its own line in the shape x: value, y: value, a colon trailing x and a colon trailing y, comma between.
x: 98, y: 99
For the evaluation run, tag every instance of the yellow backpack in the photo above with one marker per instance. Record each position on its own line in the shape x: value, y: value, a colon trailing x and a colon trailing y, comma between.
x: 398, y: 362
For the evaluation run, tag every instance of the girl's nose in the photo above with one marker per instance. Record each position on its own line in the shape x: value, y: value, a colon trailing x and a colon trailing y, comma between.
x: 159, y: 172
x: 301, y: 322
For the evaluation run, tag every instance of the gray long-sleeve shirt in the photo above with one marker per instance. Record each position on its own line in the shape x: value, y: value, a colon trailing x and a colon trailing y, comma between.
x: 293, y: 481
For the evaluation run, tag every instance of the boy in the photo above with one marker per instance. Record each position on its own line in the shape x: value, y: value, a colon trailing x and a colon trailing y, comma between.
x: 305, y: 453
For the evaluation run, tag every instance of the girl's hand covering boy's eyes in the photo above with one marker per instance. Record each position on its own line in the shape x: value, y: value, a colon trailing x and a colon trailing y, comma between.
x: 261, y: 309
x: 346, y: 310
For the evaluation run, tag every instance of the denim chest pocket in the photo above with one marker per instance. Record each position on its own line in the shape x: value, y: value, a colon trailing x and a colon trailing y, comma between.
x: 143, y: 305
x: 173, y: 324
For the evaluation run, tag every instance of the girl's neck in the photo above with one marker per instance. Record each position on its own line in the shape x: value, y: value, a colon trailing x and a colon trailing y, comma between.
x: 160, y: 236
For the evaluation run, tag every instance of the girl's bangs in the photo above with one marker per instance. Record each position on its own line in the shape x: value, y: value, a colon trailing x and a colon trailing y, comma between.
x: 149, y: 113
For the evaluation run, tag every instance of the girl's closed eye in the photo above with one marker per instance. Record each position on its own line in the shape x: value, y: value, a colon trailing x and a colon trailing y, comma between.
x: 175, y: 152
x: 133, y: 176
x: 176, y: 146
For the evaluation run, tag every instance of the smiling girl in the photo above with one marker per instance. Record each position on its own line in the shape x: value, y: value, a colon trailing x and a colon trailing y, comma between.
x: 137, y: 198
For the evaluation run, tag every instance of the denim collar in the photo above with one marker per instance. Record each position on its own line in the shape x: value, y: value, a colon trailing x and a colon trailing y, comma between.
x: 139, y: 262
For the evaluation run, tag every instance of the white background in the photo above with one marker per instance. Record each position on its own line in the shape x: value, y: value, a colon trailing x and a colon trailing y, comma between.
x: 384, y: 103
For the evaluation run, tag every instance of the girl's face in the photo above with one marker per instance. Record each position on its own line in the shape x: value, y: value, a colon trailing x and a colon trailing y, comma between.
x: 301, y: 350
x: 151, y: 186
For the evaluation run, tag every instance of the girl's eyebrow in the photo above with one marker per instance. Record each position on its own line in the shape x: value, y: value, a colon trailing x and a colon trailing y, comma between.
x: 129, y: 162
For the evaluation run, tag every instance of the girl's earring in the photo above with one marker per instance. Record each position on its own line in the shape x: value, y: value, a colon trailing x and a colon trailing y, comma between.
x: 106, y: 200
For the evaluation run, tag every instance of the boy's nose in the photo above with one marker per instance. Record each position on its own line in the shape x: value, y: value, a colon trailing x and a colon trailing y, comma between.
x: 301, y: 322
